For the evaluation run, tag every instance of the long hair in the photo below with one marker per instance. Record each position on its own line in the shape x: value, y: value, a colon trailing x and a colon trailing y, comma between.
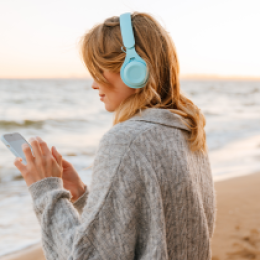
x: 100, y: 48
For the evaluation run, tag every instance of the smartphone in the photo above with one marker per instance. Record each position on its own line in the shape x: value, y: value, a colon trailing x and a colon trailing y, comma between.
x: 14, y: 142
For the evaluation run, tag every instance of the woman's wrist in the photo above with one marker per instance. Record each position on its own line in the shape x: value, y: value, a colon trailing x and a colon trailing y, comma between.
x: 80, y: 191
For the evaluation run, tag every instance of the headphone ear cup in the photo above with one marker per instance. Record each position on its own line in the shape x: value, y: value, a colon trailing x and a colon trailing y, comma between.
x: 135, y: 73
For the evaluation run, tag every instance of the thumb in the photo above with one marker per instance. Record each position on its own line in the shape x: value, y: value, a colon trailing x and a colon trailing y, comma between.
x: 57, y: 155
x: 19, y: 165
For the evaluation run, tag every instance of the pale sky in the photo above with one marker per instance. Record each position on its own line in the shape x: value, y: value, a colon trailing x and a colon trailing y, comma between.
x: 39, y: 37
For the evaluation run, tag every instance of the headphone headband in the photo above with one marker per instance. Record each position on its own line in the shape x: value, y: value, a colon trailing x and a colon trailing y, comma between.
x: 127, y: 30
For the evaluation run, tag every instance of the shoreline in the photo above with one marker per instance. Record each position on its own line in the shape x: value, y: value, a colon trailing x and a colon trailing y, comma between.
x: 226, y: 177
x: 237, y: 227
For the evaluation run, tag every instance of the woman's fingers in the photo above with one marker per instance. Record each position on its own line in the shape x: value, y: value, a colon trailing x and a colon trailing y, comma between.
x: 28, y: 153
x: 20, y: 166
x: 45, y: 149
x: 36, y: 148
x: 40, y: 162
x: 58, y: 156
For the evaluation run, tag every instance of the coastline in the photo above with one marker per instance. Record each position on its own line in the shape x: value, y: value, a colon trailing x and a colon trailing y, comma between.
x: 237, y: 228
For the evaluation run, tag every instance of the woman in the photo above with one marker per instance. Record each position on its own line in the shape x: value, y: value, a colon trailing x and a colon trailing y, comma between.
x: 152, y: 194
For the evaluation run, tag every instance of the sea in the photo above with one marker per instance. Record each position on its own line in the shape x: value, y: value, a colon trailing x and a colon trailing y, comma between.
x: 68, y: 114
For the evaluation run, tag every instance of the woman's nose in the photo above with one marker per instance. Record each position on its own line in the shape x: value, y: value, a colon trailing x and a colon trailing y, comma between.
x: 94, y: 85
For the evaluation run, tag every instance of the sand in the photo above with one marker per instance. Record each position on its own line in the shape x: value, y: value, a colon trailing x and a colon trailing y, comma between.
x: 31, y: 253
x: 237, y: 228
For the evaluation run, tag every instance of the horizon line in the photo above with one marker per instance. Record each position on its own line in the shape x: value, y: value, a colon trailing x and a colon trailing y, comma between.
x: 218, y: 76
x: 182, y: 76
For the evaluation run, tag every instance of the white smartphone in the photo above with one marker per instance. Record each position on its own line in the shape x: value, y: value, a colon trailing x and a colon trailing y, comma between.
x: 14, y: 142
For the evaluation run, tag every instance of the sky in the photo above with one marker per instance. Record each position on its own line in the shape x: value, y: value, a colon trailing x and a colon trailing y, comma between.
x: 213, y: 37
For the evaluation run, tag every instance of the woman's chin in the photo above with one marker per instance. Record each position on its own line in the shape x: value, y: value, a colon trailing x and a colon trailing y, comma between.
x: 109, y: 108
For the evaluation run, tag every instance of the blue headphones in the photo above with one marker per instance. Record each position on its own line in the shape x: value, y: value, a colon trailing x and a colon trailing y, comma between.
x: 134, y: 71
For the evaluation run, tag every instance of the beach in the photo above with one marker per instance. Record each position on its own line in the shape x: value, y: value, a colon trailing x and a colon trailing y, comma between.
x: 75, y: 123
x: 31, y: 253
x: 237, y: 227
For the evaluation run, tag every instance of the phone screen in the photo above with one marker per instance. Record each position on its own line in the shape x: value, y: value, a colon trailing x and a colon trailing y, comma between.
x: 14, y: 142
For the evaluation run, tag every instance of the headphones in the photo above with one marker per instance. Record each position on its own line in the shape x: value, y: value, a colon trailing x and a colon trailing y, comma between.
x: 134, y: 71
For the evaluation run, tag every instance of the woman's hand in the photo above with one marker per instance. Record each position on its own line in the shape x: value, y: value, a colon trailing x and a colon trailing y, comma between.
x: 41, y: 166
x: 71, y: 179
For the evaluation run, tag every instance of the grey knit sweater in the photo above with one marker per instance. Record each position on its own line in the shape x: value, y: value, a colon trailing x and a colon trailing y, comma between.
x: 150, y: 198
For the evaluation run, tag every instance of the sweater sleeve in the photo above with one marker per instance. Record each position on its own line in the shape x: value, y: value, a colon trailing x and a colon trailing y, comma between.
x: 107, y: 228
x: 81, y: 201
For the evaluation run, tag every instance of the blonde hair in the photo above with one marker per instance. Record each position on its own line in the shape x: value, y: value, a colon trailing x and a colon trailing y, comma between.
x: 101, y: 49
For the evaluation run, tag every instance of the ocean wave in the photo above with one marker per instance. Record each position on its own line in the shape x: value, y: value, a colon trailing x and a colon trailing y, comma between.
x: 24, y: 123
x: 37, y: 123
x: 209, y: 113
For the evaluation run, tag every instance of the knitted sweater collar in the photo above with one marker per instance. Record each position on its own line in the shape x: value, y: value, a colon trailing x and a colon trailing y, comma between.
x: 162, y: 117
